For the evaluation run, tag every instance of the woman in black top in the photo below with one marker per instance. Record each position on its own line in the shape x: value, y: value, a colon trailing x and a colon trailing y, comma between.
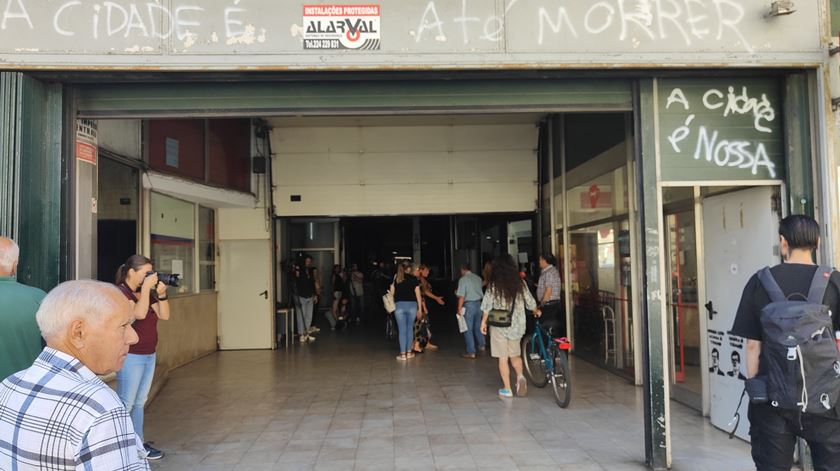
x: 406, y: 289
x: 338, y: 281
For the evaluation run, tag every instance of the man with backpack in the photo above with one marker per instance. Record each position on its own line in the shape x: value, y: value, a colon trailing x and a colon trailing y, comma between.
x: 789, y: 317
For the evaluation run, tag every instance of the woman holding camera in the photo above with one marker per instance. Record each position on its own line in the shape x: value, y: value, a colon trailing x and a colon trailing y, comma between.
x: 139, y: 283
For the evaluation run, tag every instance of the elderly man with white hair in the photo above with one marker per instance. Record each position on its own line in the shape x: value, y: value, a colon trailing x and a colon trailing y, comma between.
x: 20, y: 341
x: 58, y: 414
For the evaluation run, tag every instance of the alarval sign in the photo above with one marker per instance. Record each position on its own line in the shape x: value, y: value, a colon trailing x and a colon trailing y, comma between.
x: 341, y: 27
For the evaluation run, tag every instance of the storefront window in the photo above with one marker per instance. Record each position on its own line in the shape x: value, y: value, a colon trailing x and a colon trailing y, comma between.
x: 207, y: 248
x: 173, y: 239
x: 601, y: 293
x: 599, y: 198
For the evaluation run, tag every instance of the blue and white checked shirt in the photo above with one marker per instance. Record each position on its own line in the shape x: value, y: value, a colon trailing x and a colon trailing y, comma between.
x: 58, y: 415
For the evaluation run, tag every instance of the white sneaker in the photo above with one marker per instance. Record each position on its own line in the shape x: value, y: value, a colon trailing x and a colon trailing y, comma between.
x: 310, y: 338
x: 314, y: 330
x: 302, y: 338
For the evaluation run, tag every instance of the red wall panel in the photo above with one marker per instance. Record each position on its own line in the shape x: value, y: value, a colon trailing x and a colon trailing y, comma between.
x: 230, y: 153
x: 190, y: 136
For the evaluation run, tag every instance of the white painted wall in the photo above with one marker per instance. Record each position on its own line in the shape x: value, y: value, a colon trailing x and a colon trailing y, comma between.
x: 244, y: 224
x: 380, y: 169
x: 121, y: 136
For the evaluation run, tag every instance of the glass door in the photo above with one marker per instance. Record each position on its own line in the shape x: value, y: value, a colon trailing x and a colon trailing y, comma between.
x: 683, y: 309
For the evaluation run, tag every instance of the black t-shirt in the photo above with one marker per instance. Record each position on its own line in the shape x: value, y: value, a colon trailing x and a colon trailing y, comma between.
x: 792, y: 278
x: 405, y: 291
x: 337, y: 283
x: 306, y: 282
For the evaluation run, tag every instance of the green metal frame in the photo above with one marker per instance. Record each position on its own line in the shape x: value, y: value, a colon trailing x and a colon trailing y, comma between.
x: 349, y: 97
x: 657, y: 440
x: 30, y: 182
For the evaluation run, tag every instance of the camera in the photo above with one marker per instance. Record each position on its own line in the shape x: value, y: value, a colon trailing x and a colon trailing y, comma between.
x: 169, y: 279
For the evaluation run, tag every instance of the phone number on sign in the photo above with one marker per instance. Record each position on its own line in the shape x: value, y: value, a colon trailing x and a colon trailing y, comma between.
x: 321, y: 44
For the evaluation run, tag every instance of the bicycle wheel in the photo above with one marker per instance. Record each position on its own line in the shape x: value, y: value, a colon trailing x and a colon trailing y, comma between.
x: 534, y: 364
x: 561, y: 380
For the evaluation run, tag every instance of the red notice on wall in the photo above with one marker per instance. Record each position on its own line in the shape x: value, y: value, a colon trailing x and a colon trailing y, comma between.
x: 87, y: 146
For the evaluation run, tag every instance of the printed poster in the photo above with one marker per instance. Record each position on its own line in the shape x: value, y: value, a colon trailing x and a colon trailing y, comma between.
x: 87, y: 147
x: 332, y: 27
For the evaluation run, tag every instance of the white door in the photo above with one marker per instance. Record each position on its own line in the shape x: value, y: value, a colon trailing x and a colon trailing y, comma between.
x: 246, y: 317
x: 740, y: 236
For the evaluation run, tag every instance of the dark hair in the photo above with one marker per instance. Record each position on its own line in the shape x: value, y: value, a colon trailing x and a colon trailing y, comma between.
x: 800, y: 232
x: 466, y: 266
x: 134, y: 262
x: 505, y: 278
x: 549, y: 258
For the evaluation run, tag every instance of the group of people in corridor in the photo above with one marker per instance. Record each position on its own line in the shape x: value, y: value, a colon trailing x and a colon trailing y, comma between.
x: 57, y: 413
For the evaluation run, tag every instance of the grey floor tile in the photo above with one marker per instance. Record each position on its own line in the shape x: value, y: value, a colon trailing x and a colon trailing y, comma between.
x: 343, y: 403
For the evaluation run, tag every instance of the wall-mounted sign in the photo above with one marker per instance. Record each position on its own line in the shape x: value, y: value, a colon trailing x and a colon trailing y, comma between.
x: 341, y: 27
x: 87, y: 147
x: 720, y: 129
x: 173, y: 152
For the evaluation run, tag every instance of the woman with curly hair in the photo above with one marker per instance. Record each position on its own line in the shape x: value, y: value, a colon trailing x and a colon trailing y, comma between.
x: 505, y: 290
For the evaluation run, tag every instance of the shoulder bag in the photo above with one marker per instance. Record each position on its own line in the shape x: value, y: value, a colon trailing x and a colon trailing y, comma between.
x: 502, y: 317
x: 388, y: 300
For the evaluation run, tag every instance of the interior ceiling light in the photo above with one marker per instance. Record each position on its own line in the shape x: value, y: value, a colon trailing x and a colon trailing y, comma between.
x: 781, y: 7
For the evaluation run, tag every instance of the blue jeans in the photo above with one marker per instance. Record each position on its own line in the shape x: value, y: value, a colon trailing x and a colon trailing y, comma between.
x: 406, y: 313
x: 473, y: 336
x: 304, y: 309
x: 134, y: 381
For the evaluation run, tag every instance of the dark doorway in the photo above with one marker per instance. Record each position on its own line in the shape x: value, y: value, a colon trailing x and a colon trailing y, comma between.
x: 118, y: 216
x: 117, y: 241
x: 371, y: 239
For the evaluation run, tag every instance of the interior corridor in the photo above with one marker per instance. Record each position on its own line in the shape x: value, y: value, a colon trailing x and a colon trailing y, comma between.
x: 344, y: 403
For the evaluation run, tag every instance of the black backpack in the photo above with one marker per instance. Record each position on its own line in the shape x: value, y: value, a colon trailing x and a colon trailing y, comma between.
x: 798, y: 353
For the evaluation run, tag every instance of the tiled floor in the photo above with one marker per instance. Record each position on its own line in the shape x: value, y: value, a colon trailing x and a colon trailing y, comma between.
x: 344, y: 403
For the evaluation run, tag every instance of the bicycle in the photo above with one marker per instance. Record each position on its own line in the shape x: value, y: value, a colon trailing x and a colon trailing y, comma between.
x: 547, y: 361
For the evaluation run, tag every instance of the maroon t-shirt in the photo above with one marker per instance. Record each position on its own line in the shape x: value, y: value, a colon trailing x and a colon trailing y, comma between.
x: 146, y: 328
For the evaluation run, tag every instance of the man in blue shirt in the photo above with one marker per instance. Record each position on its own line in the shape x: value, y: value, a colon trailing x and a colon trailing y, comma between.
x: 20, y: 339
x: 469, y: 305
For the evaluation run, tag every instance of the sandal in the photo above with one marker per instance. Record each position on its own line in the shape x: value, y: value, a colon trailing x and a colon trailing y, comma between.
x: 521, y: 386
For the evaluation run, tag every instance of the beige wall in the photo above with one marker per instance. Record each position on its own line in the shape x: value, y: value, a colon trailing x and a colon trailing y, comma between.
x: 189, y: 334
x: 370, y: 167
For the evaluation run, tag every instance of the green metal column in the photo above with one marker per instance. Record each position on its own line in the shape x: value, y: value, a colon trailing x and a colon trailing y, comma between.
x: 10, y: 91
x: 798, y: 145
x: 650, y: 254
x: 30, y: 179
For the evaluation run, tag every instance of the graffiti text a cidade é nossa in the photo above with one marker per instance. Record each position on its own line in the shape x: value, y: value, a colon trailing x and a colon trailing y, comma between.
x: 710, y: 146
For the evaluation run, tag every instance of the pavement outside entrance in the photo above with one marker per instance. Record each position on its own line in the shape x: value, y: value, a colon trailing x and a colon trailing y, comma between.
x: 344, y: 403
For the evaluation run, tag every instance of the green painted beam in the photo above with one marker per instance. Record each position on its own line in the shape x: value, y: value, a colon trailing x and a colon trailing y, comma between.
x: 250, y: 99
x: 799, y: 148
x: 657, y: 441
x: 39, y: 233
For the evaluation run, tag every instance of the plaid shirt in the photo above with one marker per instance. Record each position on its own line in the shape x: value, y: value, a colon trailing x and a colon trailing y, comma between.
x: 549, y: 278
x: 59, y: 415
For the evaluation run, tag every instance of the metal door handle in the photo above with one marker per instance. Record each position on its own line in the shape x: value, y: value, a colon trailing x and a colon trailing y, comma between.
x: 264, y: 294
x: 710, y: 307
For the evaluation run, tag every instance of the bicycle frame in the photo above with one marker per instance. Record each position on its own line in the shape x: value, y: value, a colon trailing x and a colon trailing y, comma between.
x: 540, y: 336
